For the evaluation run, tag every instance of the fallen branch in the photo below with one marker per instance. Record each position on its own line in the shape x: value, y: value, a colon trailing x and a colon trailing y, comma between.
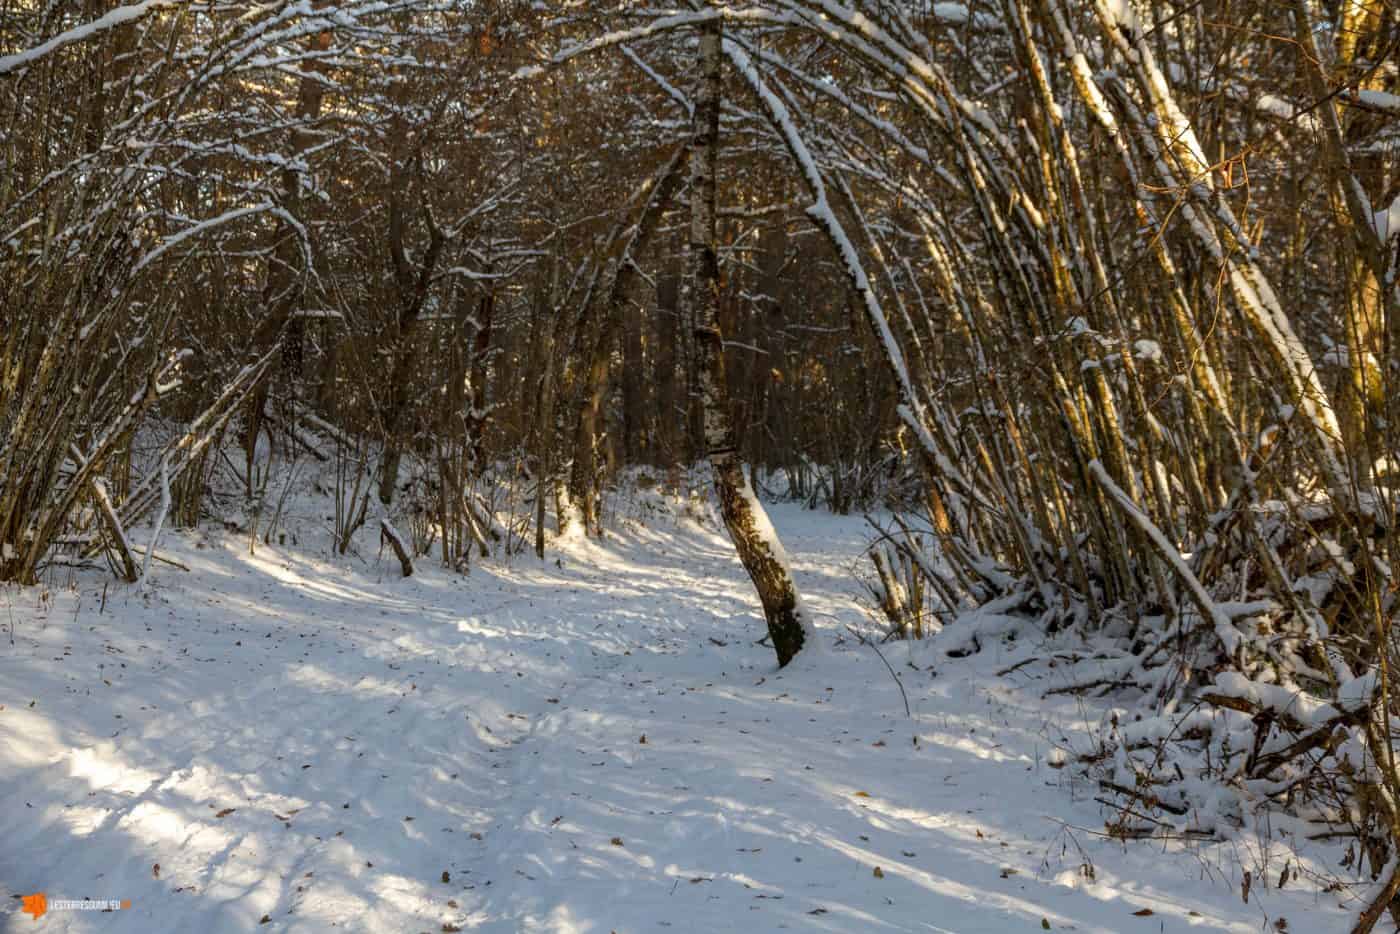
x: 161, y: 558
x: 1380, y: 902
x: 1146, y: 798
x: 115, y: 533
x: 387, y: 533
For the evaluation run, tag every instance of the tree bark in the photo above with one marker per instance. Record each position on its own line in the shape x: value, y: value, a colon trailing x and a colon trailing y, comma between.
x: 755, y: 539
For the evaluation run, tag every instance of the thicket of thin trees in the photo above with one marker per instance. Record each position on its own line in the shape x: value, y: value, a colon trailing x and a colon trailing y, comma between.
x: 1101, y: 294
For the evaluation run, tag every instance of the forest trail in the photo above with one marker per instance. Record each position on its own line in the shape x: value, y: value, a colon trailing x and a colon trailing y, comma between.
x: 281, y: 742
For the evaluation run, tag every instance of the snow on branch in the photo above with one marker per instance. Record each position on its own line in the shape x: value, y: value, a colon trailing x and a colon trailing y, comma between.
x: 204, y: 226
x: 670, y: 90
x: 111, y: 20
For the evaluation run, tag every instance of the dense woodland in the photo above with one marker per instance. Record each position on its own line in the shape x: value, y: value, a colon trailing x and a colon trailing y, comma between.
x: 1096, y: 299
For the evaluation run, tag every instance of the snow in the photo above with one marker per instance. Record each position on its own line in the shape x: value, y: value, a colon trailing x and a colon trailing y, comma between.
x: 1380, y: 100
x: 1307, y: 710
x: 1387, y: 221
x: 1355, y: 693
x: 1150, y: 351
x: 957, y: 14
x: 1123, y: 14
x: 313, y: 740
x: 160, y: 519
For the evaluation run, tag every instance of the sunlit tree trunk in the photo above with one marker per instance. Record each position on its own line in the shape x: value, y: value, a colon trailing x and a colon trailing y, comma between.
x: 754, y: 537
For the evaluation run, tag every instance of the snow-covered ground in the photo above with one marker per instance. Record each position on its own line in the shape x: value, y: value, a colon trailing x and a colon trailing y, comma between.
x: 589, y: 744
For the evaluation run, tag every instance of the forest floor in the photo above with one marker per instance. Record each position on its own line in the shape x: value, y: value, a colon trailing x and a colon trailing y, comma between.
x: 283, y: 741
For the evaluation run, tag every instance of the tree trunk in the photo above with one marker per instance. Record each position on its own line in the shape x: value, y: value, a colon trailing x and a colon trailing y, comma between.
x: 667, y: 445
x: 754, y: 537
x: 480, y: 357
x: 583, y: 485
x: 285, y: 283
x: 633, y: 378
x: 413, y: 285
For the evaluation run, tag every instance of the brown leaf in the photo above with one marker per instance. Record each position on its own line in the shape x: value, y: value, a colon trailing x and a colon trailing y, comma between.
x: 1143, y: 913
x: 265, y: 919
x: 445, y: 876
x: 643, y: 740
x: 862, y: 794
x: 616, y: 841
x: 225, y: 812
x: 878, y: 873
x: 155, y: 870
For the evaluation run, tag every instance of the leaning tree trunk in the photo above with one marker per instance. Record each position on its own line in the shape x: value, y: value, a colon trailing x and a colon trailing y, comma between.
x: 754, y: 537
x: 583, y: 476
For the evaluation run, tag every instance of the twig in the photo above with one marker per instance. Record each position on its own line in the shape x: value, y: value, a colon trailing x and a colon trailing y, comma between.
x: 900, y: 684
x: 1149, y: 799
x: 387, y: 533
x: 162, y: 559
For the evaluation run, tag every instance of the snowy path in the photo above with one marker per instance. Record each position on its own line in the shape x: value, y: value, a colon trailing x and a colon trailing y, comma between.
x: 317, y: 744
